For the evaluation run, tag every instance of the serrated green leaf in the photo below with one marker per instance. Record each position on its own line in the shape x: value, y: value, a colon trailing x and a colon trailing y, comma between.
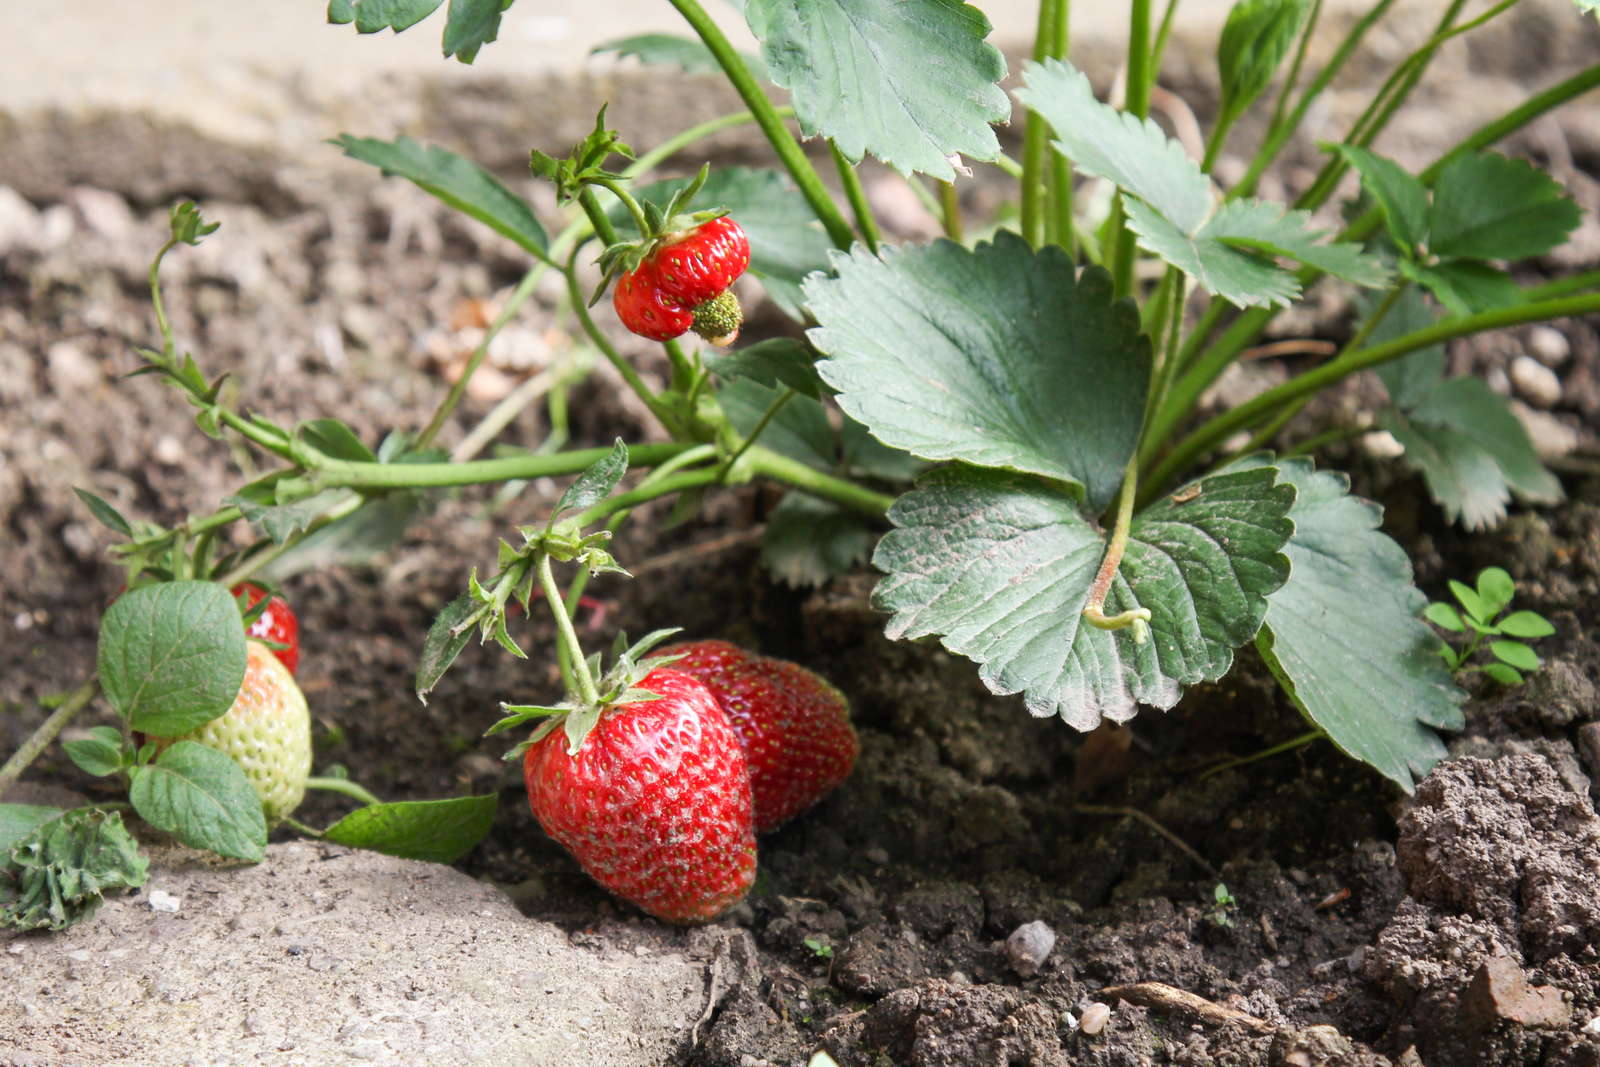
x: 376, y: 526
x: 777, y: 361
x: 665, y: 49
x: 1254, y: 41
x: 786, y: 241
x: 279, y: 522
x: 455, y: 180
x: 596, y: 482
x: 1488, y: 206
x: 334, y: 438
x: 1344, y: 637
x: 449, y: 634
x: 1466, y: 286
x: 1260, y: 226
x: 1496, y: 588
x: 108, y: 515
x: 998, y: 356
x: 1240, y: 277
x: 1516, y: 654
x: 60, y: 872
x: 867, y: 457
x: 470, y: 25
x: 202, y: 798
x: 99, y: 754
x: 438, y: 831
x: 1462, y: 478
x: 171, y: 656
x: 808, y: 541
x: 860, y: 74
x: 17, y: 821
x: 1401, y: 197
x: 1000, y: 566
x: 1528, y: 624
x: 800, y: 429
x: 1445, y: 617
x: 1502, y: 673
x: 1134, y: 153
x: 370, y: 16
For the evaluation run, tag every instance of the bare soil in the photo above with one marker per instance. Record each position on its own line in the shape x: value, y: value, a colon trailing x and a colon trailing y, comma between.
x: 1458, y: 927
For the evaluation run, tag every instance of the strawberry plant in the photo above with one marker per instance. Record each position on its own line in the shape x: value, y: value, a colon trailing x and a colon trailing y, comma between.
x: 1010, y: 422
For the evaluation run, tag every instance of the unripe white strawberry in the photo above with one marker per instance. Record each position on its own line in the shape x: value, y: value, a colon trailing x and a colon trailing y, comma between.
x: 267, y: 731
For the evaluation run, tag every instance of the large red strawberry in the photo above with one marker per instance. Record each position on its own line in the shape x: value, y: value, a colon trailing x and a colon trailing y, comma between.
x: 655, y: 805
x: 694, y: 265
x: 682, y: 282
x: 795, y: 727
x: 645, y: 309
x: 276, y: 623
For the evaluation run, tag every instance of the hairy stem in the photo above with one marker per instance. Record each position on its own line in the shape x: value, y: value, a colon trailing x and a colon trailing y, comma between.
x: 566, y: 634
x: 1095, y: 610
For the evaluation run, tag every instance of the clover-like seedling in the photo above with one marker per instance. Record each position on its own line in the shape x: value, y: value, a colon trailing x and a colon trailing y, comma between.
x: 1481, y: 619
x: 1223, y: 906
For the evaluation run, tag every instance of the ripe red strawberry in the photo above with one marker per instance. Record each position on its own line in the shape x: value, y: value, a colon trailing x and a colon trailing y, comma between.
x: 645, y: 309
x: 656, y: 805
x: 276, y: 623
x: 795, y: 727
x: 695, y: 265
x: 267, y: 731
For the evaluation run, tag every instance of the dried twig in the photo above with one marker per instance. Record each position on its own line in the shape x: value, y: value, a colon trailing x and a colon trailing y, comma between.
x: 1162, y: 997
x: 1135, y: 813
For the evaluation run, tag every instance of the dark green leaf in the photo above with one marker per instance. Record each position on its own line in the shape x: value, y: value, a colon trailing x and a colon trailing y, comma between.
x: 1410, y: 378
x: 203, y: 799
x: 376, y: 526
x: 172, y: 656
x: 1526, y: 624
x: 439, y: 831
x: 279, y: 522
x: 370, y: 16
x: 800, y: 429
x: 1491, y: 207
x: 458, y: 182
x: 1465, y: 286
x: 867, y: 457
x: 472, y: 24
x: 1001, y: 565
x: 777, y: 361
x: 1344, y: 638
x: 1445, y: 617
x: 1401, y: 197
x: 596, y: 483
x: 99, y: 754
x: 808, y: 541
x: 911, y: 81
x: 446, y: 638
x: 1254, y: 41
x: 998, y: 356
x: 17, y: 821
x: 665, y: 49
x: 59, y: 873
x: 108, y: 515
x: 333, y: 438
x: 1516, y: 654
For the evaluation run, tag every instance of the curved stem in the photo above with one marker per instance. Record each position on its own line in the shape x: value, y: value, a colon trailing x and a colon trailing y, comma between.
x: 566, y: 634
x: 865, y: 223
x: 783, y: 142
x: 343, y: 785
x: 580, y: 308
x: 46, y: 732
x: 1095, y: 610
x: 764, y: 462
x: 337, y: 473
x: 765, y: 420
x: 620, y: 191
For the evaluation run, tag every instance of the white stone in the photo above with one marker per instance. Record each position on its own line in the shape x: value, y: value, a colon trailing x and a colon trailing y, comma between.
x: 1549, y: 345
x: 1094, y: 1018
x: 1535, y: 383
x: 161, y: 900
x: 1029, y: 946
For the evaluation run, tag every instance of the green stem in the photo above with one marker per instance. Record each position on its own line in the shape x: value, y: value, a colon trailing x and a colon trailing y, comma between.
x: 566, y: 634
x: 1159, y: 51
x: 950, y: 212
x: 1035, y: 136
x: 1263, y: 406
x: 1094, y: 611
x: 646, y: 492
x: 783, y: 142
x: 865, y: 223
x: 599, y: 220
x: 343, y: 785
x: 1573, y: 283
x: 1299, y: 741
x: 761, y: 425
x: 301, y: 828
x: 46, y: 732
x: 1319, y: 440
x: 254, y: 563
x: 335, y: 473
x: 1291, y: 79
x: 762, y: 461
x: 1138, y: 103
x: 580, y: 308
x: 620, y: 191
x: 679, y: 141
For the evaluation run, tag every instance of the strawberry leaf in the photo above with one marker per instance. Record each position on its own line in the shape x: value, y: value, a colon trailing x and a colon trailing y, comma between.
x: 595, y: 483
x: 1400, y: 196
x: 370, y: 16
x: 438, y: 831
x: 470, y: 25
x: 108, y: 515
x: 1489, y: 206
x: 171, y: 656
x: 457, y: 181
x: 58, y: 873
x: 774, y: 362
x: 449, y: 634
x: 808, y: 541
x: 998, y: 356
x: 202, y: 798
x: 1254, y: 41
x: 1466, y: 286
x: 799, y: 430
x: 860, y: 74
x: 99, y: 754
x: 17, y: 821
x: 665, y: 49
x: 1171, y: 205
x: 1000, y: 566
x: 1344, y: 637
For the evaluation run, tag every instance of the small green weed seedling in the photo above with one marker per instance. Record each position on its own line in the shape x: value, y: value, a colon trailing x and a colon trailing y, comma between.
x: 1479, y: 620
x: 1222, y: 906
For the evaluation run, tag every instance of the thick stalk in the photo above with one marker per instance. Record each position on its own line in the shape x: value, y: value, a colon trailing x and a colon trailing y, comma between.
x: 336, y: 473
x: 783, y: 142
x: 1140, y: 77
x: 567, y: 635
x: 950, y: 212
x: 580, y: 308
x: 40, y: 739
x: 763, y: 461
x: 865, y: 223
x: 1036, y: 135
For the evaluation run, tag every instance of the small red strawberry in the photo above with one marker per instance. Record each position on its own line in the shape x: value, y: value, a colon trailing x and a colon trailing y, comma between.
x: 267, y: 732
x: 795, y: 727
x: 694, y: 265
x: 655, y: 805
x: 276, y: 623
x: 645, y: 309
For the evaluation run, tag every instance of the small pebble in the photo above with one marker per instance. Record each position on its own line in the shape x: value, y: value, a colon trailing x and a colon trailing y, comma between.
x: 1381, y: 444
x: 1029, y: 946
x: 161, y: 900
x: 1549, y: 345
x: 1592, y: 1026
x: 1535, y: 383
x: 1094, y: 1018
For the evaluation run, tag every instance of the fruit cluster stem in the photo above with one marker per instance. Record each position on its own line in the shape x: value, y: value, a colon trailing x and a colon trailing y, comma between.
x: 587, y: 692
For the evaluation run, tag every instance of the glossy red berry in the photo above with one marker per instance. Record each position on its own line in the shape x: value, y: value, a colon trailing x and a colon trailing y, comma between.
x: 698, y: 264
x: 655, y: 805
x: 276, y: 624
x: 795, y: 726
